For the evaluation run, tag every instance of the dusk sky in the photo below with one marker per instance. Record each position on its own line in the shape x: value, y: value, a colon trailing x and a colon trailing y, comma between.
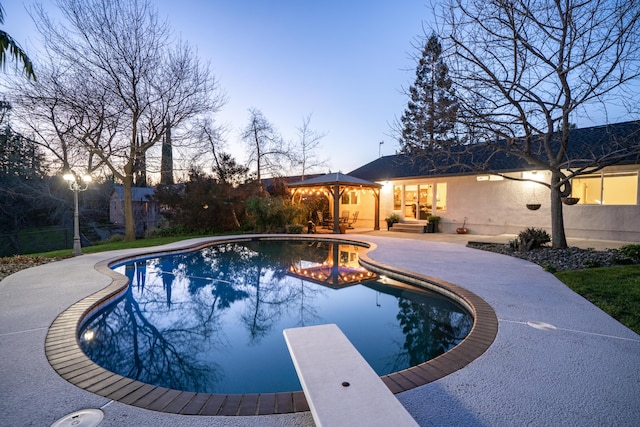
x: 343, y: 62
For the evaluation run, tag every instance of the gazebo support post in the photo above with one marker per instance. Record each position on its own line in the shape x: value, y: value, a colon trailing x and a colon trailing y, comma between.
x: 336, y: 209
x: 376, y: 219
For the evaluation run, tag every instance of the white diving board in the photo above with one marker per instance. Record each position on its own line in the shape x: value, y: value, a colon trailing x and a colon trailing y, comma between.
x: 340, y: 386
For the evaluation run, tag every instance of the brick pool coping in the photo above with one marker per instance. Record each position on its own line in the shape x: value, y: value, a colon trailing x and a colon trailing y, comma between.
x: 70, y: 362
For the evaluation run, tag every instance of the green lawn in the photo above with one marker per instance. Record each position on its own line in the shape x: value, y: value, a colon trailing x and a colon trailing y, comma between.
x: 616, y: 290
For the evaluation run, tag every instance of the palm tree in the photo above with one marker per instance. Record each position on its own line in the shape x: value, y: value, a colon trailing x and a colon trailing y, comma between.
x: 7, y: 43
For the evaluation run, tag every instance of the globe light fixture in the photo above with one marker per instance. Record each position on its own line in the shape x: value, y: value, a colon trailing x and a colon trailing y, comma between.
x: 77, y: 184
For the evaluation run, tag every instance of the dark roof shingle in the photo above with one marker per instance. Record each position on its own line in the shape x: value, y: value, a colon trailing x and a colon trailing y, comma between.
x: 586, y: 144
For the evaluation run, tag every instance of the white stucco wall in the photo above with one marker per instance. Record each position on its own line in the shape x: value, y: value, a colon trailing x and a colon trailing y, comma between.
x: 365, y: 208
x: 499, y: 207
x: 603, y: 222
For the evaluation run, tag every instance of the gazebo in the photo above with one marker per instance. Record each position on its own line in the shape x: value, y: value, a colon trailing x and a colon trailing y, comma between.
x: 333, y: 272
x: 336, y: 184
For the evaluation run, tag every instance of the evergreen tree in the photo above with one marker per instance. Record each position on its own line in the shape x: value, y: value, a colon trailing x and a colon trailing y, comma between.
x: 166, y: 164
x: 140, y: 164
x: 429, y: 118
x: 24, y: 198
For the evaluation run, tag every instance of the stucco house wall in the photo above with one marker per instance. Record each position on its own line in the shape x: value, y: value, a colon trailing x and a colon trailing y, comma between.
x: 479, y: 185
x: 603, y: 222
x: 365, y: 208
x: 495, y: 207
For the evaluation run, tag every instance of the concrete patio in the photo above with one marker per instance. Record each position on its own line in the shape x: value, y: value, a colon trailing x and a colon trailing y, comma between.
x: 584, y: 372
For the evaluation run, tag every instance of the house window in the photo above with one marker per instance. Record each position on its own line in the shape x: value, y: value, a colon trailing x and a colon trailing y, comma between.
x: 397, y: 197
x: 349, y: 198
x: 420, y: 201
x: 441, y: 196
x: 606, y: 189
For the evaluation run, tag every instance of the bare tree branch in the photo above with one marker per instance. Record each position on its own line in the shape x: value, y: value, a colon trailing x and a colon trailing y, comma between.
x: 305, y: 156
x: 525, y: 69
x: 265, y: 146
x: 125, y: 81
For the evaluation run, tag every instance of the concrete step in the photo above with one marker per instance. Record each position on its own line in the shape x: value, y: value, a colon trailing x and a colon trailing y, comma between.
x: 407, y: 227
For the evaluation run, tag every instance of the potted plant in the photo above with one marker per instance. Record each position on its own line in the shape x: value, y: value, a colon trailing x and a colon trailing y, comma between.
x: 432, y: 223
x: 392, y: 219
x: 463, y: 229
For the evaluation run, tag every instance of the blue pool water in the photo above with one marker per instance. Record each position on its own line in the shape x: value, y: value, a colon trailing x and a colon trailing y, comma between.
x: 211, y: 320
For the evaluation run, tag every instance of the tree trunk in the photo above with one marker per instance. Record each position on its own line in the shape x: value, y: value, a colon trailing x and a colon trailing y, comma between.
x: 129, y: 223
x: 558, y: 237
x: 235, y: 217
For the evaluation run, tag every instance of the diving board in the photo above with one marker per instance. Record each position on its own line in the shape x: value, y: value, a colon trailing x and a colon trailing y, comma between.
x: 340, y: 386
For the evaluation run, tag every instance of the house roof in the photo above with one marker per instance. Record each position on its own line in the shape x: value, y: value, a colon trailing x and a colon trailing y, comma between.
x: 585, y: 145
x: 335, y: 178
x: 138, y: 194
x: 288, y: 178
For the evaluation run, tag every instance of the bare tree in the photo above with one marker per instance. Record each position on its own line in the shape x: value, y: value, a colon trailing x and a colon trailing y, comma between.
x: 223, y: 165
x: 306, y: 146
x: 525, y: 69
x: 264, y: 144
x: 142, y: 81
x: 63, y: 112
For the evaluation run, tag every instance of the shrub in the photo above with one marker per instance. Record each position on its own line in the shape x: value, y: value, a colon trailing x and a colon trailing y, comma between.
x: 208, y: 204
x: 514, y: 244
x: 532, y: 238
x: 622, y: 261
x: 271, y: 213
x: 393, y: 218
x: 631, y: 251
x: 294, y: 229
x: 549, y: 268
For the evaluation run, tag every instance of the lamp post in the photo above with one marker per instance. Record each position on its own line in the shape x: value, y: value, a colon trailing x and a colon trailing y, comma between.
x: 380, y: 148
x: 76, y: 185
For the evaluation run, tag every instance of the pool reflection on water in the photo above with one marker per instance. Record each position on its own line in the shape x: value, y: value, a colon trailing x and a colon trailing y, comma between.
x: 211, y: 320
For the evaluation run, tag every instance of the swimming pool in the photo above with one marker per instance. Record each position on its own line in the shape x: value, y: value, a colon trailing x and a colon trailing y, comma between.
x: 62, y: 344
x: 211, y: 321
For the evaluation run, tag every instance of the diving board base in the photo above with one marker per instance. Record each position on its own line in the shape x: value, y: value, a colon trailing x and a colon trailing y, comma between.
x: 340, y: 386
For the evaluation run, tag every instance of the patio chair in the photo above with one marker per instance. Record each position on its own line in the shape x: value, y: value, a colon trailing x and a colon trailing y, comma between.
x: 353, y: 220
x: 344, y: 218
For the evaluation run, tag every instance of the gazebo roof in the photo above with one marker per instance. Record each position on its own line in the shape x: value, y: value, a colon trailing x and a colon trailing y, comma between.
x: 336, y: 178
